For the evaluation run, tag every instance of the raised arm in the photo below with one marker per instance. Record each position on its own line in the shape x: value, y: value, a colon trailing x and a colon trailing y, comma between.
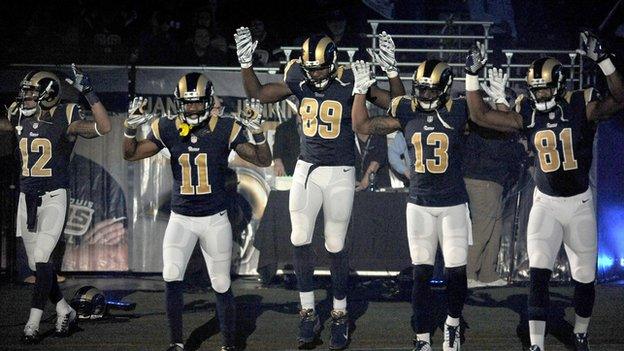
x: 270, y: 92
x: 5, y: 122
x: 134, y: 150
x: 101, y: 124
x: 480, y: 112
x: 258, y: 153
x: 614, y: 101
x: 387, y: 61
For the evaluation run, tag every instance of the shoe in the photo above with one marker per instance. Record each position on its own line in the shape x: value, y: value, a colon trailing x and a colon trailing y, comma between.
x: 534, y: 348
x: 309, y: 327
x: 228, y: 348
x: 420, y: 345
x: 497, y: 282
x: 175, y: 347
x: 64, y: 322
x: 31, y: 335
x: 60, y: 279
x: 30, y: 279
x: 339, y: 330
x: 451, y: 338
x: 473, y: 283
x: 580, y: 342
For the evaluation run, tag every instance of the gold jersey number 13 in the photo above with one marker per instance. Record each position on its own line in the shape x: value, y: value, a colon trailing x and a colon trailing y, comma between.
x: 201, y: 163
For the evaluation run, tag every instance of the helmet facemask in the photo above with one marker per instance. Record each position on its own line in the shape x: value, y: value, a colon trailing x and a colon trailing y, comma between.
x: 545, y: 74
x: 319, y: 83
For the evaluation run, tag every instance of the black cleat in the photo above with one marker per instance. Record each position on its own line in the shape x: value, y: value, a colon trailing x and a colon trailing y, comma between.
x: 64, y: 323
x: 31, y: 335
x: 175, y: 347
x: 339, y: 330
x: 534, y: 348
x: 451, y: 338
x: 580, y: 342
x: 309, y: 327
x: 227, y: 348
x: 420, y: 345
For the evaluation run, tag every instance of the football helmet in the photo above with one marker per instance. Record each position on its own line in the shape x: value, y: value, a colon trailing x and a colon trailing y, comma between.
x: 89, y: 303
x: 194, y: 88
x: 431, y: 84
x: 42, y: 87
x: 545, y: 73
x: 318, y: 53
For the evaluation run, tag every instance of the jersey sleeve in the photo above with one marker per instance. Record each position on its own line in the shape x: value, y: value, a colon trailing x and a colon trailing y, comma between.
x: 238, y: 135
x: 154, y: 134
x: 459, y: 110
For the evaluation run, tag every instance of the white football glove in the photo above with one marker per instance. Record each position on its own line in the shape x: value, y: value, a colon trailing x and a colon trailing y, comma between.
x: 136, y: 113
x: 363, y: 77
x: 245, y: 46
x: 385, y: 58
x: 251, y: 116
x: 496, y: 88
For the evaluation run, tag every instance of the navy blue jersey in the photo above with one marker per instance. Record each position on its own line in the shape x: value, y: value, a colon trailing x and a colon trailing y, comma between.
x: 562, y: 140
x: 326, y: 130
x: 434, y: 142
x: 199, y: 162
x: 45, y: 148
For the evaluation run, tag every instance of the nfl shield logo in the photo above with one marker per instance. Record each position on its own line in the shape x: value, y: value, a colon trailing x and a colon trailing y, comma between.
x: 193, y: 139
x: 35, y: 125
x: 429, y: 119
x: 551, y: 115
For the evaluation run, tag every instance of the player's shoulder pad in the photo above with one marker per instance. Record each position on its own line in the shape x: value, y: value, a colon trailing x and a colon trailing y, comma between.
x: 398, y: 101
x: 235, y: 130
x: 292, y: 71
x: 155, y: 127
x: 587, y: 95
x: 344, y: 74
x: 70, y: 111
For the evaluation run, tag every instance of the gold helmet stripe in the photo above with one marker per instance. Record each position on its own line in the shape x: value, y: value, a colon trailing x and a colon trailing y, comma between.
x: 305, y: 50
x: 436, y: 75
x: 202, y: 80
x: 319, y: 53
x: 182, y: 86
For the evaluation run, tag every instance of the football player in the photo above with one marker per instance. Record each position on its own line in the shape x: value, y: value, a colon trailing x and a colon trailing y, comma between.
x: 199, y: 143
x: 559, y: 126
x: 46, y: 132
x: 437, y: 209
x: 324, y: 174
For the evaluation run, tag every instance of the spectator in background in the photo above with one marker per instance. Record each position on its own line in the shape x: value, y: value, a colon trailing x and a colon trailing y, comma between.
x: 495, y: 158
x: 267, y: 49
x: 158, y: 45
x: 201, y: 51
x: 371, y: 162
x: 337, y: 29
x: 286, y: 147
x: 399, y: 158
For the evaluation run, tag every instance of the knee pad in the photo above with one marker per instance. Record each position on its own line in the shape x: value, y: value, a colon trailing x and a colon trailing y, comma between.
x: 422, y: 253
x: 172, y: 272
x: 584, y: 296
x: 584, y: 274
x: 456, y: 253
x: 539, y: 293
x: 300, y: 237
x: 220, y: 283
x: 334, y: 243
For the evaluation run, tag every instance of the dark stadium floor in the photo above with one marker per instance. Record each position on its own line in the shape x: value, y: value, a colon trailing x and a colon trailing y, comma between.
x: 267, y: 318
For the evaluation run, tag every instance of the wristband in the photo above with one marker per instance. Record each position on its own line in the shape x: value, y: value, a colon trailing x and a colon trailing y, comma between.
x: 92, y: 98
x: 607, y: 66
x: 392, y: 73
x: 129, y: 133
x: 245, y: 65
x: 472, y: 82
x: 259, y: 138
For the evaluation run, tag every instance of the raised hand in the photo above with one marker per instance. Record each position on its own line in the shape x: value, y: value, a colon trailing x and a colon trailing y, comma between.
x: 386, y: 57
x: 136, y: 113
x: 245, y: 46
x: 496, y: 89
x: 592, y: 48
x: 476, y: 59
x: 81, y: 81
x: 362, y: 75
x: 251, y: 116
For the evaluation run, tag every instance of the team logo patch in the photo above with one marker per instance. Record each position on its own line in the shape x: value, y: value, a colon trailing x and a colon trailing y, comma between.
x: 78, y: 220
x: 429, y: 119
x: 551, y: 115
x: 35, y: 125
x: 193, y: 139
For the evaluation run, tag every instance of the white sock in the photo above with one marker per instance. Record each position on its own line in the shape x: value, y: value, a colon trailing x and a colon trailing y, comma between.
x: 581, y: 324
x: 423, y: 337
x: 62, y: 307
x: 307, y: 300
x: 537, y: 329
x: 340, y: 305
x: 35, y: 317
x: 453, y: 322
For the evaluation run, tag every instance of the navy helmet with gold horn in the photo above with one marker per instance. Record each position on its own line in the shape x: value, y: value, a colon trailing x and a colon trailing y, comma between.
x: 545, y: 73
x: 194, y: 88
x: 431, y: 84
x: 318, y: 53
x: 44, y: 88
